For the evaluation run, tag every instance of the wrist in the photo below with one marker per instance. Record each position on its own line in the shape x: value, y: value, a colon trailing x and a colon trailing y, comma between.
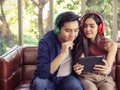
x: 62, y: 54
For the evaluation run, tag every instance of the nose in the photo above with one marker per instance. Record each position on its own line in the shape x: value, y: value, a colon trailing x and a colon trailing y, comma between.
x: 87, y: 28
x: 72, y: 34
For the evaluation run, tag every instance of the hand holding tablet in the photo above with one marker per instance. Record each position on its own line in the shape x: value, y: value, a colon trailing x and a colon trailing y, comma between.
x: 90, y: 62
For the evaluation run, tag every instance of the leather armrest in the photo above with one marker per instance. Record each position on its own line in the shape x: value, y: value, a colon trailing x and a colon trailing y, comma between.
x: 10, y: 64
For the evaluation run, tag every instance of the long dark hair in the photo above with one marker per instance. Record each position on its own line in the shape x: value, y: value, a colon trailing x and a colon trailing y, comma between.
x: 83, y: 44
x: 78, y: 47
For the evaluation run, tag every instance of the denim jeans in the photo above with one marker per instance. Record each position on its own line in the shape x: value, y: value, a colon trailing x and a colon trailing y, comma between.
x: 59, y: 83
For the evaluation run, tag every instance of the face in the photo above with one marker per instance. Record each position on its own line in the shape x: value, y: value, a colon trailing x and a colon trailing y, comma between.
x: 90, y: 28
x: 69, y: 31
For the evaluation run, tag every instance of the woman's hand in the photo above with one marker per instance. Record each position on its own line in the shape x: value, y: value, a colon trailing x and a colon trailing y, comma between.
x: 103, y: 69
x: 108, y: 44
x: 78, y: 68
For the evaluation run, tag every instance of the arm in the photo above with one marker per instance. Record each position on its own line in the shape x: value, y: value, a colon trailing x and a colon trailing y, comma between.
x: 112, y: 50
x: 47, y: 61
x: 43, y: 60
x: 60, y: 57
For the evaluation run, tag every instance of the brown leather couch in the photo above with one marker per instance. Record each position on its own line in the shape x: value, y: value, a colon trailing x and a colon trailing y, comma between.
x: 17, y: 67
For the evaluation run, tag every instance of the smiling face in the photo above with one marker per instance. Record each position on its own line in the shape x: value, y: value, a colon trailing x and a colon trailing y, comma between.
x: 90, y: 29
x: 69, y: 31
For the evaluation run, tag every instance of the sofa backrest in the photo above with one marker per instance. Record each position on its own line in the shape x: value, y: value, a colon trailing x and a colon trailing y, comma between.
x: 29, y: 62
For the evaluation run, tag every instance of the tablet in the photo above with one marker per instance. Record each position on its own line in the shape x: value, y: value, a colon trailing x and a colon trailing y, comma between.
x: 89, y: 62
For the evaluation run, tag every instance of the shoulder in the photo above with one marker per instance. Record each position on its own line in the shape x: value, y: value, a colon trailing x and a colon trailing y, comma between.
x: 49, y: 37
x: 50, y: 40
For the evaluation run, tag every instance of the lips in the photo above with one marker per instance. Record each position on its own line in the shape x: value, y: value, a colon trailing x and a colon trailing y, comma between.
x: 71, y: 39
x: 88, y: 33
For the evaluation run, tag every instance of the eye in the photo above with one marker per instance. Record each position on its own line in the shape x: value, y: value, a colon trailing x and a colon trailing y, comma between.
x: 67, y: 30
x: 77, y: 30
x: 92, y: 26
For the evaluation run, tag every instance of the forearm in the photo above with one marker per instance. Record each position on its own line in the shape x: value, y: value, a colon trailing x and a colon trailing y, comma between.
x: 56, y: 62
x: 111, y: 54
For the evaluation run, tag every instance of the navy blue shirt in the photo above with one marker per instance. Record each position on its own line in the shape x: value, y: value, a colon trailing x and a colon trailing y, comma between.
x: 49, y: 47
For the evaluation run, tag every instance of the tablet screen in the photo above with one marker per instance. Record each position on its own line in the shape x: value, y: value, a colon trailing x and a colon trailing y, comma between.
x: 89, y: 62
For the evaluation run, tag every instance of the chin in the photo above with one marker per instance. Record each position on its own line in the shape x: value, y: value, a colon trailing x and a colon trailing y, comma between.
x: 71, y: 40
x: 88, y: 36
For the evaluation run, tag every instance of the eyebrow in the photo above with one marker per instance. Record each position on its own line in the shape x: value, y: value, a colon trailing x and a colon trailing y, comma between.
x: 71, y: 29
x: 89, y: 24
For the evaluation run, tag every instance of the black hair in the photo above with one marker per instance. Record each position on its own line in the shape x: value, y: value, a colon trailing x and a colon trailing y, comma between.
x: 65, y: 17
